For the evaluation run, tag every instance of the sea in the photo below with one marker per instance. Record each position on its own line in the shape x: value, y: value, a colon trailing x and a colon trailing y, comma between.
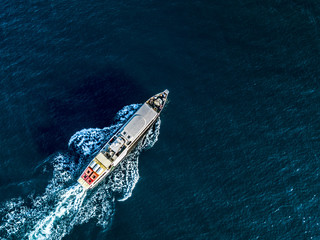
x: 234, y: 155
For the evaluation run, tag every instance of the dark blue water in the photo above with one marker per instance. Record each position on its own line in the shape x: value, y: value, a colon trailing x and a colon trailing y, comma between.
x: 237, y: 156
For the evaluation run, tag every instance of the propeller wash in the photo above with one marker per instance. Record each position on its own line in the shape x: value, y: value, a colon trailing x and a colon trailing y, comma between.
x: 64, y: 204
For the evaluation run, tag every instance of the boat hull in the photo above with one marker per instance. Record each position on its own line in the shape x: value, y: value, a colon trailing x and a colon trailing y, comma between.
x: 123, y: 142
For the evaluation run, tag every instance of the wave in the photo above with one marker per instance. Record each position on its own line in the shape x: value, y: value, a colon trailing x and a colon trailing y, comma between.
x: 64, y: 204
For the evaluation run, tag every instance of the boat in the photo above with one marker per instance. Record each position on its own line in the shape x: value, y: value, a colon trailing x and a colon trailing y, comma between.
x: 123, y: 142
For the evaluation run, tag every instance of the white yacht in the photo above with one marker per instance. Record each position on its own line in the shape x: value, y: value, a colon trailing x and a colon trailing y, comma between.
x: 126, y: 138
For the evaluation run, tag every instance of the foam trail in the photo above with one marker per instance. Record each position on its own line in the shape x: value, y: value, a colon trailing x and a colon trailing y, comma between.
x: 64, y: 204
x: 70, y: 202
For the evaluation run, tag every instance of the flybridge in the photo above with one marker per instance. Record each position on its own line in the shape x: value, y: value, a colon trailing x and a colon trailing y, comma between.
x: 123, y: 141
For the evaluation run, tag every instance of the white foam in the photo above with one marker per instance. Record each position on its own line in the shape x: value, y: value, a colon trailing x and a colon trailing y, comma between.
x: 69, y: 203
x: 64, y: 204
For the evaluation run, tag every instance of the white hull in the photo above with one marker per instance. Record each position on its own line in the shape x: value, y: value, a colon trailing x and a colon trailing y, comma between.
x: 126, y: 138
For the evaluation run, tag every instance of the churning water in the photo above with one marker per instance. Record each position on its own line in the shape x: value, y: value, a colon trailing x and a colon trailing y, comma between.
x: 64, y: 203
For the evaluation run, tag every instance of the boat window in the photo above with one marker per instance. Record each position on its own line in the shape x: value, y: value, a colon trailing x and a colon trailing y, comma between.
x: 109, y: 157
x: 121, y: 150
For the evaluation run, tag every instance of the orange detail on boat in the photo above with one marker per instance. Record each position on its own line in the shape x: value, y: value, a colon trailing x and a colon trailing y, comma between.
x: 88, y: 171
x: 84, y: 176
x: 94, y: 176
x: 89, y: 181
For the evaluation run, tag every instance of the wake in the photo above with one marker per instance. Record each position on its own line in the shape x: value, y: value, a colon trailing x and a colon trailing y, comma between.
x: 64, y: 204
x: 70, y: 202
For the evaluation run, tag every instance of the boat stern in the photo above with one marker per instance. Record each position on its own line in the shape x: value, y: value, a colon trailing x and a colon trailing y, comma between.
x: 83, y: 183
